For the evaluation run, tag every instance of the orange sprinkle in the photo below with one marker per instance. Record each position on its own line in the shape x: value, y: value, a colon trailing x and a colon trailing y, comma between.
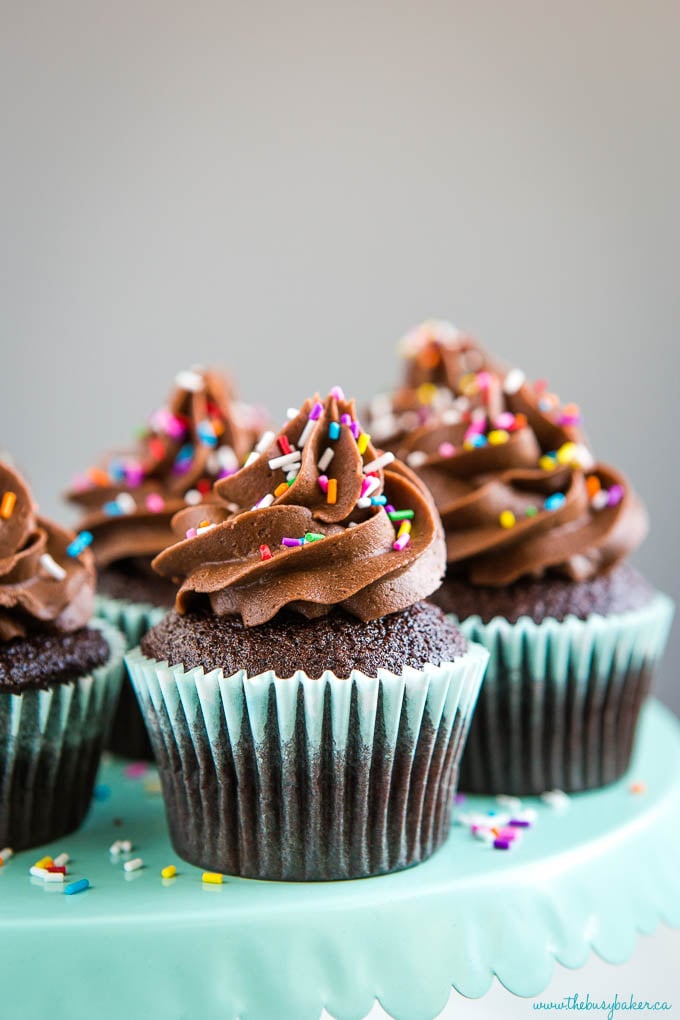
x: 593, y: 485
x: 521, y: 421
x: 7, y: 505
x: 203, y: 524
x: 280, y: 489
x: 429, y: 356
x: 332, y: 494
x: 218, y: 427
x: 98, y: 476
x: 638, y: 788
x: 571, y: 410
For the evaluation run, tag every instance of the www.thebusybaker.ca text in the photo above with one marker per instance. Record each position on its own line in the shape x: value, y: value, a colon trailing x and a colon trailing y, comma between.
x: 610, y: 1007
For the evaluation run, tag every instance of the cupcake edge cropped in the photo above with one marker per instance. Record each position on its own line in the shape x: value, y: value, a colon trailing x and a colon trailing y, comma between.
x: 305, y: 779
x: 561, y: 698
x: 52, y: 742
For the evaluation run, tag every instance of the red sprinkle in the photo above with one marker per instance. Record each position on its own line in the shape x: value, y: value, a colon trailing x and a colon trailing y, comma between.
x: 284, y: 445
x: 157, y: 448
x: 265, y: 552
x: 56, y: 869
x: 204, y: 486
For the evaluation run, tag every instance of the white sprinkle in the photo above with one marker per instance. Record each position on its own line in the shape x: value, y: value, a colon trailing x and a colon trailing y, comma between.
x: 306, y: 433
x: 52, y: 567
x: 452, y: 417
x: 125, y: 846
x: 584, y: 458
x: 126, y: 501
x: 226, y: 458
x: 39, y: 872
x: 251, y: 458
x: 265, y: 501
x: 189, y: 380
x: 62, y: 860
x: 352, y: 524
x: 325, y: 458
x: 556, y: 799
x: 6, y: 853
x: 115, y: 847
x: 484, y: 835
x: 513, y: 804
x: 479, y: 414
x: 54, y: 876
x: 372, y: 485
x: 192, y: 497
x: 363, y: 503
x: 599, y: 500
x: 134, y: 865
x: 284, y: 460
x: 206, y: 527
x: 528, y: 814
x: 291, y: 476
x: 514, y: 381
x: 265, y: 440
x: 416, y: 459
x: 378, y: 463
x: 292, y: 412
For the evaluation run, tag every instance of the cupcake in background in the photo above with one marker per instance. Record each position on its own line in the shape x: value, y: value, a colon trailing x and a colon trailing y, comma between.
x: 306, y: 708
x: 128, y: 501
x: 59, y: 673
x: 538, y: 535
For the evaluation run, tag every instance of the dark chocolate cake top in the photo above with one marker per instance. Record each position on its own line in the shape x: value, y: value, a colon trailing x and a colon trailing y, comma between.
x: 518, y: 490
x: 47, y: 575
x: 201, y: 434
x: 337, y: 642
x: 322, y: 519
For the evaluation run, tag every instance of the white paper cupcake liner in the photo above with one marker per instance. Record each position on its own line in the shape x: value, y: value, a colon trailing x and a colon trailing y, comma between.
x: 307, y: 779
x: 560, y: 701
x: 50, y: 745
x: 127, y: 735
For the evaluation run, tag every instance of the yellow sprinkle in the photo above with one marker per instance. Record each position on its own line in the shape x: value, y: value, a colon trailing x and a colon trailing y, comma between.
x: 427, y: 392
x: 362, y: 442
x: 44, y: 862
x: 498, y: 436
x: 468, y: 384
x: 280, y: 489
x: 566, y: 453
x: 171, y: 871
x: 7, y: 505
x: 203, y: 524
x: 332, y: 494
x: 507, y: 519
x: 547, y: 463
x: 404, y: 529
x: 212, y: 878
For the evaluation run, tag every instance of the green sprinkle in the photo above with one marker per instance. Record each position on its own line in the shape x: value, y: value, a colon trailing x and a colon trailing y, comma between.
x: 530, y: 511
x: 401, y: 515
x: 313, y: 536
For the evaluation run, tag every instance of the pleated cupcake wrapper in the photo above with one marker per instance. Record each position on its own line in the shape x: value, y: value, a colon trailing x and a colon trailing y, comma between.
x: 560, y: 701
x: 50, y: 745
x: 307, y: 779
x: 127, y: 734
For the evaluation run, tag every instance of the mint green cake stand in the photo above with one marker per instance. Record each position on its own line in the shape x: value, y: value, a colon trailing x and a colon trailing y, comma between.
x: 136, y: 946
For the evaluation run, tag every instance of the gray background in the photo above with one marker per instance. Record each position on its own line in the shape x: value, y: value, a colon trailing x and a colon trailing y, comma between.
x: 284, y: 189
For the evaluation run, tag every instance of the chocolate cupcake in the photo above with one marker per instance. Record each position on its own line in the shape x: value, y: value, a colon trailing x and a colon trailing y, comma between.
x: 59, y: 673
x: 306, y: 708
x: 537, y: 534
x: 128, y: 502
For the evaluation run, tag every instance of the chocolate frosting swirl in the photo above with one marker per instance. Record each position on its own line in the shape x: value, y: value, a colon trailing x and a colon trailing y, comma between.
x: 241, y: 564
x: 42, y: 587
x: 200, y: 435
x: 519, y: 492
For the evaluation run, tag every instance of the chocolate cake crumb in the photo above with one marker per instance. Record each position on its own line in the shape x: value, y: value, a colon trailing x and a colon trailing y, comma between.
x: 338, y: 642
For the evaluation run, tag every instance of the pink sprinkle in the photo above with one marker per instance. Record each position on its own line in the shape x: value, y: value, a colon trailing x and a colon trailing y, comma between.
x: 154, y: 502
x: 345, y: 419
x: 541, y: 385
x: 569, y: 419
x: 191, y: 533
x: 508, y: 833
x: 315, y: 413
x: 81, y: 484
x: 446, y: 449
x: 134, y: 475
x: 323, y: 483
x: 476, y: 427
x: 483, y: 380
x: 364, y: 485
x: 136, y: 769
x: 505, y: 421
x: 615, y: 495
x: 401, y: 543
x: 292, y: 543
x: 338, y: 393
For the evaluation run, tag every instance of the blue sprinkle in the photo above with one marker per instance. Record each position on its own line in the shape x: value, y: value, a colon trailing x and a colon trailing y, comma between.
x: 76, y: 887
x: 117, y: 471
x: 113, y: 509
x: 206, y: 433
x: 478, y: 440
x: 79, y: 543
x: 185, y: 454
x: 334, y: 430
x: 555, y: 502
x: 101, y: 792
x: 378, y: 500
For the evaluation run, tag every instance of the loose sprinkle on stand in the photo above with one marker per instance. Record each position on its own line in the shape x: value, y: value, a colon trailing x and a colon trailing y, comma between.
x: 7, y: 504
x: 212, y: 878
x: 637, y: 787
x: 6, y: 853
x: 75, y: 887
x: 62, y: 860
x: 134, y: 865
x: 169, y: 872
